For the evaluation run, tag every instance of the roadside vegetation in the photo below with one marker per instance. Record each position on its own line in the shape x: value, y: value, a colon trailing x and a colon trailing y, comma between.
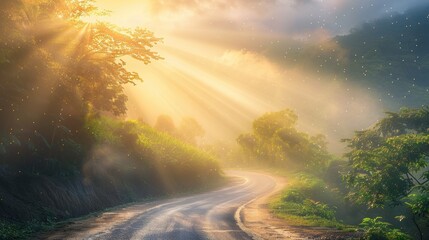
x: 129, y: 161
x: 303, y: 203
x: 65, y: 148
x: 379, y: 188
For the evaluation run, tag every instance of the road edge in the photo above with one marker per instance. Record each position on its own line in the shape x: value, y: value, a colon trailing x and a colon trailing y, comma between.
x: 237, y: 217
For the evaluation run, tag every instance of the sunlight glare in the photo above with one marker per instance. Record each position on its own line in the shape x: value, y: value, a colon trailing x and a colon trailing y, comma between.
x: 208, y: 73
x: 90, y: 19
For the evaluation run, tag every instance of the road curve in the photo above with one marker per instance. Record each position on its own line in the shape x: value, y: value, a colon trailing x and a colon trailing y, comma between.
x: 203, y: 216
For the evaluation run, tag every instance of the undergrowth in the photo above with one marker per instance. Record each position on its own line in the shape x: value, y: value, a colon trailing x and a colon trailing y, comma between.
x: 11, y: 230
x: 300, y: 203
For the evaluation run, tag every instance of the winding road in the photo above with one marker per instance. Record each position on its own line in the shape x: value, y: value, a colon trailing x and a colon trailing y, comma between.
x: 212, y: 215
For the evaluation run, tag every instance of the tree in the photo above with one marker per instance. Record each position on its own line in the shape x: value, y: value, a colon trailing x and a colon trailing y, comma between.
x: 388, y: 162
x: 268, y: 124
x: 275, y: 140
x: 55, y: 68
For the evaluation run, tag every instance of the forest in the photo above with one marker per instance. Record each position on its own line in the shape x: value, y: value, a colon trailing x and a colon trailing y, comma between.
x: 68, y: 147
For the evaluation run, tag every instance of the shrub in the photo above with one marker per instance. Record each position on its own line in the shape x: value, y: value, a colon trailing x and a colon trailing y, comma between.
x: 167, y: 160
x: 313, y: 208
x: 305, y: 203
x: 378, y: 230
x: 293, y: 195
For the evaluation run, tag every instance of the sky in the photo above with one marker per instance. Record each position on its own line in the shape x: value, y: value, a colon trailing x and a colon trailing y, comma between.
x: 216, y: 68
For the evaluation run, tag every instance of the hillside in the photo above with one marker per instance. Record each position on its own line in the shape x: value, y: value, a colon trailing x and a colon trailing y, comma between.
x: 129, y: 161
x: 388, y: 56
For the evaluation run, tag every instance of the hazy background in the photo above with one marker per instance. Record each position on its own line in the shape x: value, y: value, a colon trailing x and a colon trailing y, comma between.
x: 229, y: 61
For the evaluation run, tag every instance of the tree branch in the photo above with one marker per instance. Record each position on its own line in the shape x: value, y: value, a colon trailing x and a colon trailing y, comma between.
x: 415, y: 178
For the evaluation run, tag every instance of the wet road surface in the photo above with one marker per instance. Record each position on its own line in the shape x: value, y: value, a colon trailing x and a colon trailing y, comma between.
x: 211, y: 215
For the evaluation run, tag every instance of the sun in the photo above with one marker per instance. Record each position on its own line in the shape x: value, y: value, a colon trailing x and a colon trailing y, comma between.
x: 90, y: 19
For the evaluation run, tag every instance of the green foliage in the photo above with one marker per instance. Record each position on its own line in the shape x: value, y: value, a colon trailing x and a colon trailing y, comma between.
x: 12, y: 230
x: 378, y: 230
x: 128, y: 161
x: 55, y: 69
x: 418, y: 203
x: 276, y: 141
x: 388, y: 163
x: 293, y: 195
x: 58, y: 74
x: 270, y: 123
x: 102, y: 129
x: 301, y: 203
x: 180, y: 165
x: 313, y: 208
x: 306, y: 208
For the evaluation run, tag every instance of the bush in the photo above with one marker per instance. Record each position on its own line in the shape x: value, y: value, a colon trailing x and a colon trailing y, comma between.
x: 378, y: 230
x: 168, y: 161
x: 309, y: 186
x: 304, y: 202
x: 12, y: 231
x: 313, y: 208
x: 293, y: 195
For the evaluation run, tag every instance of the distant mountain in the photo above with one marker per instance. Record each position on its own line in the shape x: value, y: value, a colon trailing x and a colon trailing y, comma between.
x: 389, y: 56
x: 392, y: 54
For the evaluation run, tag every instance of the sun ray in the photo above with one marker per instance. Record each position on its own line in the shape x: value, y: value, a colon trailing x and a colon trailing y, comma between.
x: 219, y: 74
x: 226, y: 95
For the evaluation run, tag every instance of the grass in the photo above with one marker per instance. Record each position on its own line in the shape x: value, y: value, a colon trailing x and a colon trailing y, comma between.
x: 295, y: 216
x: 307, y: 201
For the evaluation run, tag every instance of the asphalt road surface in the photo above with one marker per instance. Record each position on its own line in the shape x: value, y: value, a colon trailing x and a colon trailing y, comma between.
x: 212, y: 215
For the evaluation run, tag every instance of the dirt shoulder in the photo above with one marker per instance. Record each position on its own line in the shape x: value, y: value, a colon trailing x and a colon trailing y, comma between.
x: 257, y: 217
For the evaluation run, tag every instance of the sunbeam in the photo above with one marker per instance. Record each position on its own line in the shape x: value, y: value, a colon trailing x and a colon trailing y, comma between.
x: 322, y: 105
x: 218, y: 75
x: 226, y: 90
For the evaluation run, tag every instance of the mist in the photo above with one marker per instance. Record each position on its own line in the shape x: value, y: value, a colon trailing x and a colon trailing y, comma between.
x: 311, y: 115
x: 227, y: 91
x: 227, y: 76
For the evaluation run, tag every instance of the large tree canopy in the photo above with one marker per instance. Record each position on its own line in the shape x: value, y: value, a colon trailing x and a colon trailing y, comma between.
x: 55, y: 67
x: 389, y: 162
x: 276, y: 140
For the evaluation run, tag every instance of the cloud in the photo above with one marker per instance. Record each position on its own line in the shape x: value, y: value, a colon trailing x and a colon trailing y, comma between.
x: 299, y: 19
x: 159, y: 6
x: 302, y: 2
x: 250, y: 62
x: 242, y: 84
x: 334, y: 16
